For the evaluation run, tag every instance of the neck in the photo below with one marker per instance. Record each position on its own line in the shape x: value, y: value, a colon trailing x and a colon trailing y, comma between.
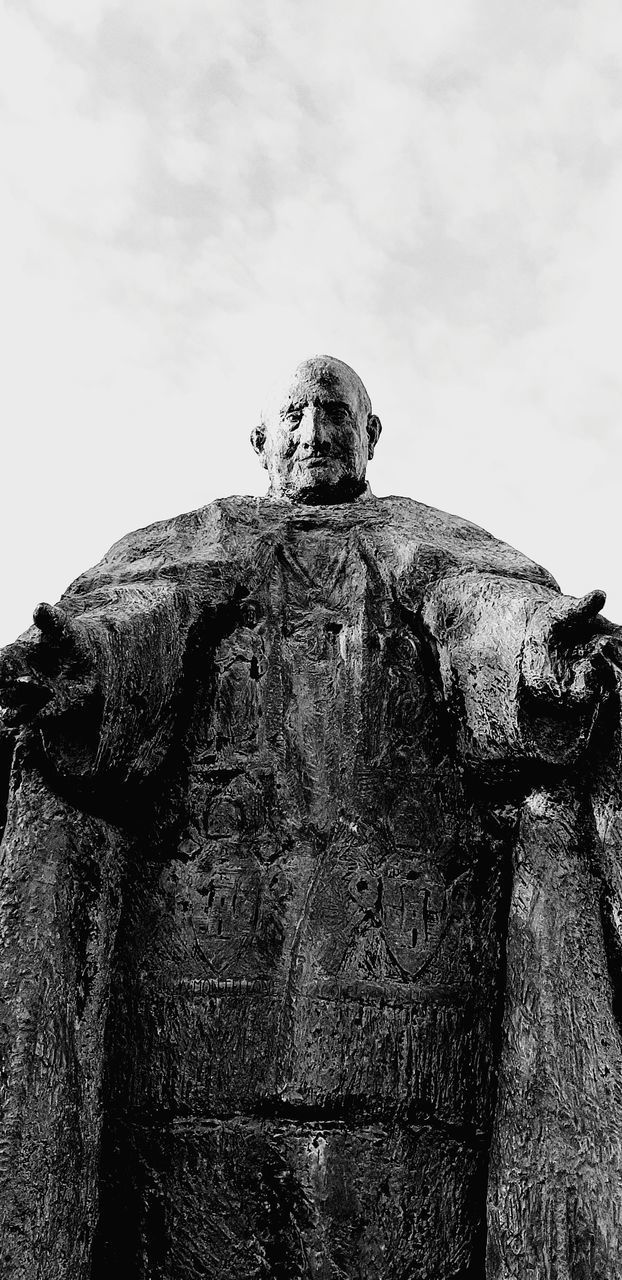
x: 324, y: 495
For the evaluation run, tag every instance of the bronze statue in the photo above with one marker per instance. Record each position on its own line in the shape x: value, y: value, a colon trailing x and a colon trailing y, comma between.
x: 310, y: 895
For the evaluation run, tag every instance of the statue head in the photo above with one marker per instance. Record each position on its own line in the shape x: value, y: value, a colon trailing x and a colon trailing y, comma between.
x: 317, y: 434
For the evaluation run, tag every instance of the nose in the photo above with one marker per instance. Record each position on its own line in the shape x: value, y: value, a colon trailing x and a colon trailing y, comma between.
x: 314, y: 436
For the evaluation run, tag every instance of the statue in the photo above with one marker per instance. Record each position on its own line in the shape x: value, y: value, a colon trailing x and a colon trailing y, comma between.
x: 310, y: 894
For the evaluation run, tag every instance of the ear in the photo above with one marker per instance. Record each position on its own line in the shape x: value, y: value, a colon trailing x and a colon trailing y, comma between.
x: 258, y: 440
x: 374, y: 427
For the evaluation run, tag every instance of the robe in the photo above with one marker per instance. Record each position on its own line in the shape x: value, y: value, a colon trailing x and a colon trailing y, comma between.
x: 309, y: 918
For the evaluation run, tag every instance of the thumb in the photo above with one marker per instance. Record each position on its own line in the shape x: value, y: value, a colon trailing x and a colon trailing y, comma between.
x: 573, y: 614
x: 55, y: 625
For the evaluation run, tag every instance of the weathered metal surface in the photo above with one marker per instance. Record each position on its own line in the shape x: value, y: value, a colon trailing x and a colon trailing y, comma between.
x: 309, y: 903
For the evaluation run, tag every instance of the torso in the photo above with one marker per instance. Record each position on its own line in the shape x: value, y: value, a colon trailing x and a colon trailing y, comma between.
x: 324, y: 950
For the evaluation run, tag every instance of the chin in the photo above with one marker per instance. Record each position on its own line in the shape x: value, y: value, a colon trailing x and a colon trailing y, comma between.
x: 318, y: 478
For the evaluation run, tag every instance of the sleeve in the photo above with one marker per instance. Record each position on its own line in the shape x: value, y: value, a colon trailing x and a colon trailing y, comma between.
x: 137, y: 638
x: 136, y: 611
x: 512, y: 694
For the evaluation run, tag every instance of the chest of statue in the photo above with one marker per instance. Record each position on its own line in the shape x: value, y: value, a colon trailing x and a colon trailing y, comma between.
x: 314, y: 939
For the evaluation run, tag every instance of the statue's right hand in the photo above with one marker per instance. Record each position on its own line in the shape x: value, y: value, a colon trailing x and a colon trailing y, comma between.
x: 48, y: 669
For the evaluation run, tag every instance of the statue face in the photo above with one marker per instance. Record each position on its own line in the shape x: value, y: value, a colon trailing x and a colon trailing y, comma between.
x: 317, y: 436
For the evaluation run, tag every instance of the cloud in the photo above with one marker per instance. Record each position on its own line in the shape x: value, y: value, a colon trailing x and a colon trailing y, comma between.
x: 197, y: 195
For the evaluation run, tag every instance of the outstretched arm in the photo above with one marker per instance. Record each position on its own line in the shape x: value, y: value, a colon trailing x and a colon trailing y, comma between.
x: 523, y: 667
x: 97, y: 676
x: 49, y: 669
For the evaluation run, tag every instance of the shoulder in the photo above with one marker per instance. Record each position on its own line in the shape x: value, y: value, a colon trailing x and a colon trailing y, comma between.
x: 166, y: 539
x: 156, y: 550
x: 451, y: 543
x: 182, y: 547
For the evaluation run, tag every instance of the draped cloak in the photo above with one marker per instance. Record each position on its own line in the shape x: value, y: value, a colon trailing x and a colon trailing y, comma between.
x: 308, y: 924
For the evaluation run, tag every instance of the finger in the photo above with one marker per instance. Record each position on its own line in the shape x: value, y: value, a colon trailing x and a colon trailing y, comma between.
x: 53, y: 623
x: 10, y: 668
x: 18, y: 716
x: 591, y: 604
x: 610, y: 648
x: 10, y: 719
x: 25, y: 694
x: 579, y: 612
x: 14, y: 663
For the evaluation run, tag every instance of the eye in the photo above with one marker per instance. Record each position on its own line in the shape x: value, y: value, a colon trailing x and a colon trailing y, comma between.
x: 293, y: 417
x: 337, y: 411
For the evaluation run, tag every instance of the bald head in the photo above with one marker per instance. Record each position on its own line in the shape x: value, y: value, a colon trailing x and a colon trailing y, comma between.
x: 317, y: 433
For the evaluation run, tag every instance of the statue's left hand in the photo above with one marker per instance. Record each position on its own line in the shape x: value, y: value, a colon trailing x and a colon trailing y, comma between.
x: 569, y: 650
x: 48, y: 670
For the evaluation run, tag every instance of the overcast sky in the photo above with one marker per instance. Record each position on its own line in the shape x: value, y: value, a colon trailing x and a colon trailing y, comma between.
x: 199, y: 193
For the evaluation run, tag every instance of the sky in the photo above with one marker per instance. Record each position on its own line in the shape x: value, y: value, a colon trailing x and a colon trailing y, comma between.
x: 196, y: 196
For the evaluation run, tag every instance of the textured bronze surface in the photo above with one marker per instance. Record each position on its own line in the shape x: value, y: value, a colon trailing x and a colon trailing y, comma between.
x: 309, y: 910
